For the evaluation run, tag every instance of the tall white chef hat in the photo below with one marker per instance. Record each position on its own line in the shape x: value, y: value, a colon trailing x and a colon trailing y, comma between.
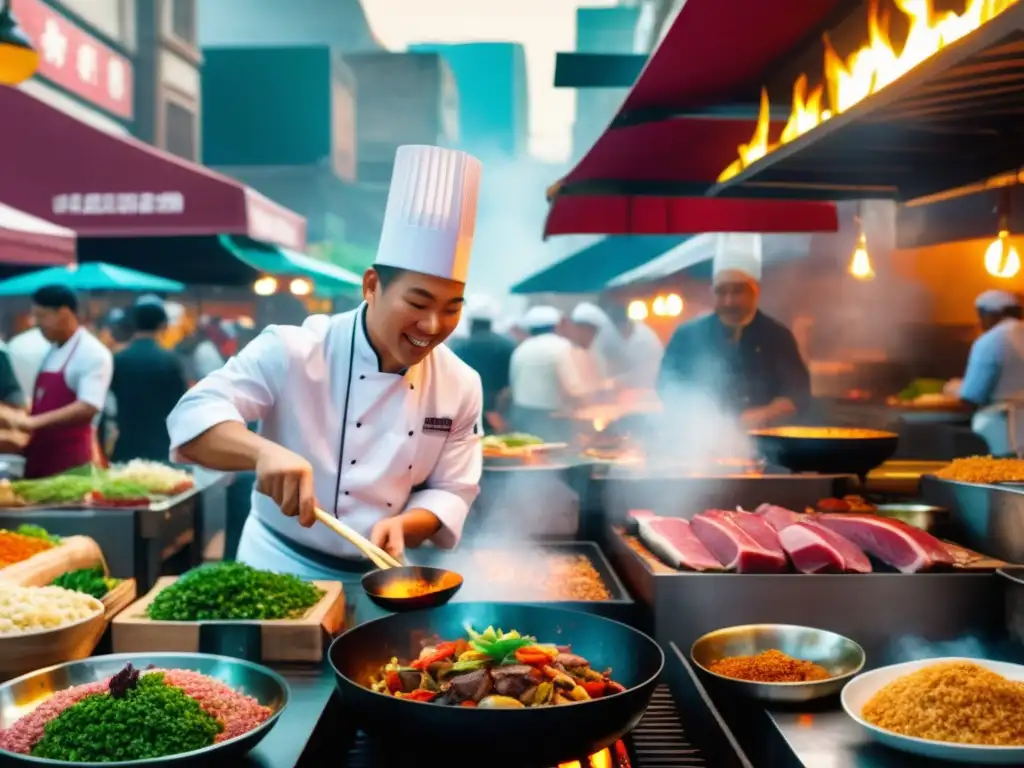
x: 586, y: 313
x: 540, y: 317
x: 737, y: 255
x: 431, y: 212
x: 996, y: 301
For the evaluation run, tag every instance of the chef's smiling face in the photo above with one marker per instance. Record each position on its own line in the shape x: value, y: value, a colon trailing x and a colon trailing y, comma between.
x: 409, y: 313
x: 735, y: 300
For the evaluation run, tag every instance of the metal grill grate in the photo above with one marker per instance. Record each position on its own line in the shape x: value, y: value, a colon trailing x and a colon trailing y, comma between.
x: 660, y: 741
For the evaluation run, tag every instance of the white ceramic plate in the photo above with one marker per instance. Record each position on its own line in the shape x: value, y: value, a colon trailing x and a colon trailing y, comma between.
x: 859, y: 691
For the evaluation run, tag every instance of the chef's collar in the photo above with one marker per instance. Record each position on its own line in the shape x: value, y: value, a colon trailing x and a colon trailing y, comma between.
x: 365, y: 351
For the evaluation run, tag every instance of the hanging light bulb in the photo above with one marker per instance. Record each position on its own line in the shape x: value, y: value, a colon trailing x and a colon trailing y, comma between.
x: 1001, y: 257
x: 300, y: 287
x: 18, y: 59
x: 673, y: 305
x: 860, y: 264
x: 265, y: 286
x: 637, y: 310
x: 659, y: 306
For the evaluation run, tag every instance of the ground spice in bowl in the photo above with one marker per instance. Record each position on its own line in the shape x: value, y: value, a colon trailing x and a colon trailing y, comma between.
x: 769, y: 667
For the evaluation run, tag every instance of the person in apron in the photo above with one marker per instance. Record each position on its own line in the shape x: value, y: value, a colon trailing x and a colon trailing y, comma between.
x: 365, y: 414
x: 993, y: 381
x: 70, y: 389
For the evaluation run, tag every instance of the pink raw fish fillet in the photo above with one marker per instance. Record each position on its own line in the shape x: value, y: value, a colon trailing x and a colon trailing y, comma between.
x: 778, y: 517
x: 902, y: 546
x: 814, y: 548
x: 734, y: 548
x: 671, y: 539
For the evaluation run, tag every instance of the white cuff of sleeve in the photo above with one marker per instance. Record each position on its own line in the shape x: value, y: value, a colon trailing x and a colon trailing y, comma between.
x: 449, y: 509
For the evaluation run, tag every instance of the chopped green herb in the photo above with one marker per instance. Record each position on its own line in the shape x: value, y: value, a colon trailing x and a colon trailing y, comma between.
x: 59, y: 489
x: 147, y: 722
x: 90, y: 581
x: 35, y: 532
x: 233, y: 591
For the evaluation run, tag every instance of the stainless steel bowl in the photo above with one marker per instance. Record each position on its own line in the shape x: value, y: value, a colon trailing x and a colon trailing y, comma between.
x: 924, y: 516
x: 20, y: 696
x: 842, y: 657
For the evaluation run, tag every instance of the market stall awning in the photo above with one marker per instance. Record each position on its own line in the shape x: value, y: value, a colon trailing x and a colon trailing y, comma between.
x: 93, y: 276
x: 29, y: 241
x: 672, y: 138
x: 100, y: 185
x: 281, y: 262
x: 697, y: 253
x: 589, y: 269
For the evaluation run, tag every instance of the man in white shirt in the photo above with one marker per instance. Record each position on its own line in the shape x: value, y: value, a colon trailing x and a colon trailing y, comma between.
x: 544, y: 377
x: 27, y: 351
x: 70, y: 389
x: 630, y: 350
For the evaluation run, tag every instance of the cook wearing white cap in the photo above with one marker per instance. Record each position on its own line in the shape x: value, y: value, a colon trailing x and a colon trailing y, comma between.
x: 489, y: 354
x: 586, y: 323
x: 749, y: 362
x: 365, y: 414
x: 994, y: 378
x: 629, y: 349
x: 543, y: 379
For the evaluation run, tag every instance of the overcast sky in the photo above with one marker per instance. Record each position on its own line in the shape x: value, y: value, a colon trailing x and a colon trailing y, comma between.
x: 545, y: 27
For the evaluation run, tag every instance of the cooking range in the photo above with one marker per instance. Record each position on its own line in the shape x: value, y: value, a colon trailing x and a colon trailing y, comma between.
x: 678, y: 731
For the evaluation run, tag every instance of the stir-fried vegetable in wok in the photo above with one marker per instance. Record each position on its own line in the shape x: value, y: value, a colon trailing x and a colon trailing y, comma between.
x: 495, y: 670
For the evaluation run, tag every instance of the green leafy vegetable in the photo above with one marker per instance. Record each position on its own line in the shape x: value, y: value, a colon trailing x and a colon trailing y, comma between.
x: 121, y: 489
x: 497, y: 644
x: 59, y: 489
x: 233, y: 591
x: 90, y: 581
x: 147, y: 722
x: 35, y: 532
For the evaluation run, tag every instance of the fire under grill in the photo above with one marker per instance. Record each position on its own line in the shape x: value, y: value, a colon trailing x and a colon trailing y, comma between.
x: 953, y: 120
x: 659, y: 741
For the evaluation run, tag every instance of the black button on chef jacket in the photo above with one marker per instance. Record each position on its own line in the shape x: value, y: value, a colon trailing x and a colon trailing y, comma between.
x: 148, y: 381
x: 762, y: 365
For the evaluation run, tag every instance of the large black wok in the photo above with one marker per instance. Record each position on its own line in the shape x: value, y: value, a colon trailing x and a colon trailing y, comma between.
x: 829, y: 450
x: 456, y: 736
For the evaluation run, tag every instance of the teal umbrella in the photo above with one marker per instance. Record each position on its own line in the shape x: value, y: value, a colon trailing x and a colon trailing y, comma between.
x: 90, y: 276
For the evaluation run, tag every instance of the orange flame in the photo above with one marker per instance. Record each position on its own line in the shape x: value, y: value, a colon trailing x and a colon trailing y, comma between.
x: 602, y: 759
x: 866, y: 71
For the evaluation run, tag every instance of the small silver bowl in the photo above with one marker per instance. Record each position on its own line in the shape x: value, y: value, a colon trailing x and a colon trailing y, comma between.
x: 842, y: 657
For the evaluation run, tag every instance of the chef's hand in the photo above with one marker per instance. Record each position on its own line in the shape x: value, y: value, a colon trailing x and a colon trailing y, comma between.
x: 389, y: 535
x: 412, y: 528
x: 287, y: 478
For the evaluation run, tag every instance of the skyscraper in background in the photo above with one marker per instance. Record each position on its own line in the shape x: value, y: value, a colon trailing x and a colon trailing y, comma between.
x: 493, y: 96
x: 601, y: 30
x: 340, y: 24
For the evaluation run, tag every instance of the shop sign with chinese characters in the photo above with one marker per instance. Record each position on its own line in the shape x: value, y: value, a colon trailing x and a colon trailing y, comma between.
x: 73, y: 59
x: 119, y: 204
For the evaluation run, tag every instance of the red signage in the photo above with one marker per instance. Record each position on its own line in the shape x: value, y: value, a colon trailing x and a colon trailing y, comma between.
x: 73, y: 59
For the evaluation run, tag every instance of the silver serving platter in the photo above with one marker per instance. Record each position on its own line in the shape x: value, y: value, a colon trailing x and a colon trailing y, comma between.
x: 21, y: 695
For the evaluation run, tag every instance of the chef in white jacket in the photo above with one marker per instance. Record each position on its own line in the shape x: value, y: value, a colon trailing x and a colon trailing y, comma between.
x: 365, y: 414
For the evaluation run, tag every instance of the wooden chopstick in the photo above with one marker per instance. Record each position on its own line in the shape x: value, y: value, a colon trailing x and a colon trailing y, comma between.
x: 375, y: 554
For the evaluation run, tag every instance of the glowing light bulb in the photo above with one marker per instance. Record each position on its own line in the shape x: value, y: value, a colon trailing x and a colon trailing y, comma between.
x: 300, y: 287
x: 265, y: 286
x: 637, y: 310
x: 659, y: 306
x: 1001, y: 257
x: 860, y: 264
x: 673, y: 305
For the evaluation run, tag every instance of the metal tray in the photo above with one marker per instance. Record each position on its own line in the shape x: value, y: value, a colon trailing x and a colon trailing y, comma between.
x: 620, y: 606
x: 863, y: 607
x: 266, y: 686
x: 986, y: 518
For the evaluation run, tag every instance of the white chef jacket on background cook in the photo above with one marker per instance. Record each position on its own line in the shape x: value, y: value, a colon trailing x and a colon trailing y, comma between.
x: 419, y: 429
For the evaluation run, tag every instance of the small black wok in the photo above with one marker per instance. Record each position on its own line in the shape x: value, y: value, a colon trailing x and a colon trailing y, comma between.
x: 379, y: 584
x: 828, y: 450
x: 535, y: 737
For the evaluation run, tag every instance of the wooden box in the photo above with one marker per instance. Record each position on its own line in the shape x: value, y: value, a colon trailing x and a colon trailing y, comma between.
x: 283, y: 640
x: 42, y: 568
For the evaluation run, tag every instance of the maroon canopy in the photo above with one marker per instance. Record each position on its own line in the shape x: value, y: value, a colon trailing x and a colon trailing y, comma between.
x: 31, y: 242
x: 102, y: 185
x: 716, y: 51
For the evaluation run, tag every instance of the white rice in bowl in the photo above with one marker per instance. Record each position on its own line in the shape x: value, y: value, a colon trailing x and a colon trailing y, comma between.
x: 24, y: 610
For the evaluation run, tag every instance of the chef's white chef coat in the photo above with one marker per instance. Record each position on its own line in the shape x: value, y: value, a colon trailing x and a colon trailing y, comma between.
x: 544, y: 373
x: 418, y: 430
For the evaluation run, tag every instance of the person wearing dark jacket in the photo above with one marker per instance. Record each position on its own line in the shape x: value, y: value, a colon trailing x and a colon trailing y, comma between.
x: 148, y: 382
x: 489, y: 354
x: 747, y: 361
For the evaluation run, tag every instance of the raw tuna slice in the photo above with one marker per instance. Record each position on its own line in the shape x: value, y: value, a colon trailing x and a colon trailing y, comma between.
x: 671, y: 539
x: 755, y: 526
x: 734, y: 548
x: 814, y: 548
x: 902, y: 546
x: 778, y: 517
x: 633, y: 518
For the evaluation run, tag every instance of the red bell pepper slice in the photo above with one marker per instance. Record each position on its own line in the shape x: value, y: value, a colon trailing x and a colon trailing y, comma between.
x: 394, y: 682
x: 468, y: 703
x: 419, y: 694
x: 532, y: 657
x: 441, y: 652
x: 594, y: 688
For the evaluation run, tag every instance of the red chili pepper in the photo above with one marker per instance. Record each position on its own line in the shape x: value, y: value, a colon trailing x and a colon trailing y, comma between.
x: 594, y: 688
x: 419, y: 695
x: 441, y: 652
x: 469, y: 703
x: 532, y: 657
x: 394, y: 682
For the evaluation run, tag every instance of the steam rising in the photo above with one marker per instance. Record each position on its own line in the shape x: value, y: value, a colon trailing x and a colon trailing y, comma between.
x: 907, y: 649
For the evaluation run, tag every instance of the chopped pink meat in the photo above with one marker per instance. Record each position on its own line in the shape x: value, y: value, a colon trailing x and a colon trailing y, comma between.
x: 778, y: 517
x: 814, y: 548
x: 735, y: 548
x: 672, y: 539
x: 902, y: 546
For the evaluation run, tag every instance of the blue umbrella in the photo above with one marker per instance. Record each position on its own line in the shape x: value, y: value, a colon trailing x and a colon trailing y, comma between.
x: 90, y: 276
